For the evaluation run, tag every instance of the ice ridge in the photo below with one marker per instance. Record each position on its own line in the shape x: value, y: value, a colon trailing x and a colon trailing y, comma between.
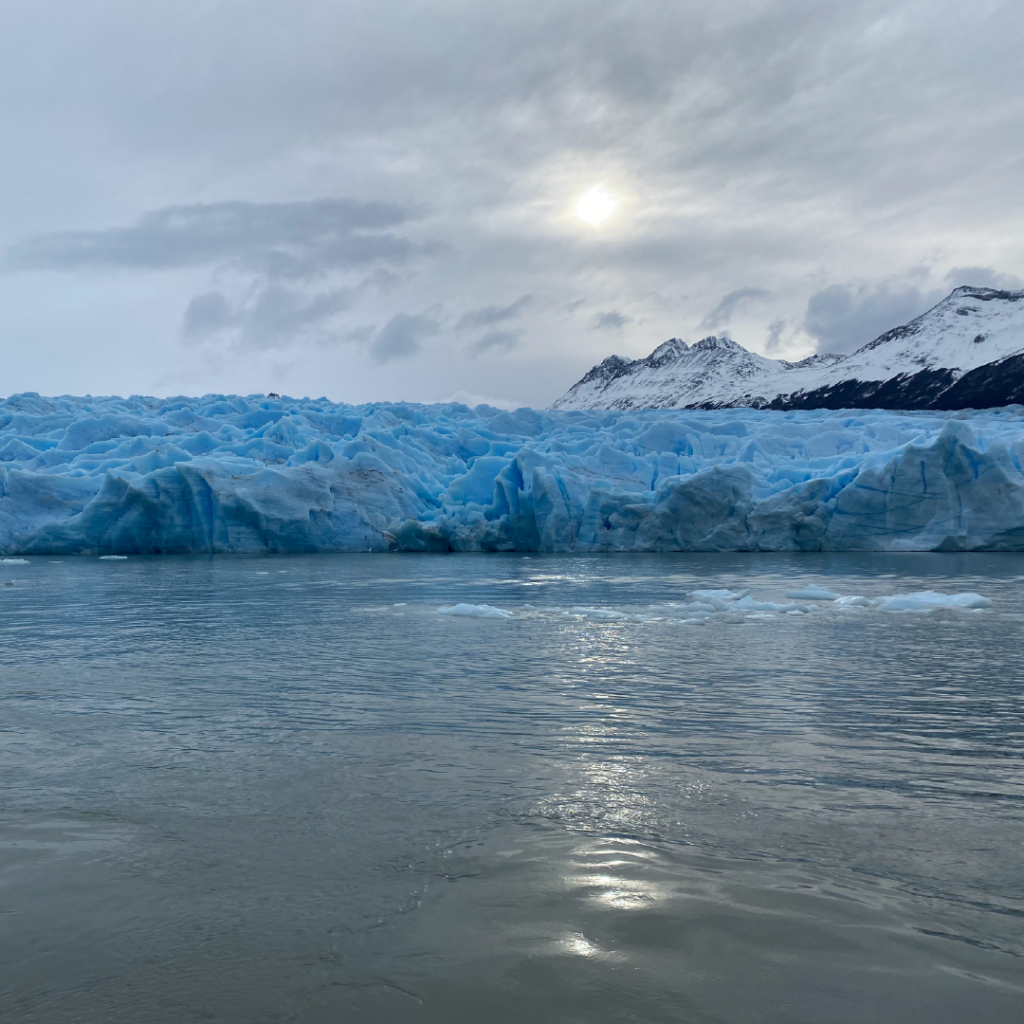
x: 232, y: 474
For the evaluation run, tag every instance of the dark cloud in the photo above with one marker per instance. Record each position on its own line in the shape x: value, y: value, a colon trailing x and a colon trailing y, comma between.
x: 612, y: 320
x: 727, y: 306
x: 400, y: 337
x: 842, y: 319
x: 501, y: 341
x: 486, y: 316
x: 286, y: 240
x: 983, y: 277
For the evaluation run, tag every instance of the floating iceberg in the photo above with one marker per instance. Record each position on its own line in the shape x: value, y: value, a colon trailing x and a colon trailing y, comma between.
x: 927, y: 600
x: 108, y: 476
x: 476, y: 611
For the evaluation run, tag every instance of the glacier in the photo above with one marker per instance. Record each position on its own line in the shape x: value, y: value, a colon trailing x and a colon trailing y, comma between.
x: 114, y: 476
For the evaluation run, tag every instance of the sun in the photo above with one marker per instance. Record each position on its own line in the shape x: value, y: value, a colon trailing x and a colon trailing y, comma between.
x: 595, y: 206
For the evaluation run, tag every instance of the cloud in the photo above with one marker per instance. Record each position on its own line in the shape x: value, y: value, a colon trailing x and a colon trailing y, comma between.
x: 774, y: 342
x: 843, y: 318
x: 613, y: 320
x: 296, y: 240
x: 275, y: 316
x: 983, y: 277
x: 474, y: 400
x: 207, y: 314
x: 400, y: 337
x: 486, y: 316
x: 727, y: 306
x: 503, y: 341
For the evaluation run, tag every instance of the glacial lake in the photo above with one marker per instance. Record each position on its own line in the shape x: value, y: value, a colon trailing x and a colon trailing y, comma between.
x: 288, y: 788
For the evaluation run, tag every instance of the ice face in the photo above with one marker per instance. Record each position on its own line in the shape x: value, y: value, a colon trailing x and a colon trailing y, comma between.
x: 223, y: 473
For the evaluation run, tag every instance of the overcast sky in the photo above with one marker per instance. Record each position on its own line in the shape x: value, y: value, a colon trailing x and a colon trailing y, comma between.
x: 377, y: 200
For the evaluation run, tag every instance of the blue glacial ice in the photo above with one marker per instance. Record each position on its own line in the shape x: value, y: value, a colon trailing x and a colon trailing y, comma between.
x: 228, y: 474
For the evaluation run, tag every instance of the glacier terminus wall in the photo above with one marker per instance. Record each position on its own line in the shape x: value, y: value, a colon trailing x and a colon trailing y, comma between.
x: 230, y: 474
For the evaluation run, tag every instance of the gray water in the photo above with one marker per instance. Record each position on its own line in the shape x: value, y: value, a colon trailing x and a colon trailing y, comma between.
x: 288, y: 789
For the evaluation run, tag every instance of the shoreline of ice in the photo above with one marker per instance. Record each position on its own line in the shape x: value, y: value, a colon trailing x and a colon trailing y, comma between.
x: 108, y: 476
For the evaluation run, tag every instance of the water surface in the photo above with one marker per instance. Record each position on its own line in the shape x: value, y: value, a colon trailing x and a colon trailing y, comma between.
x: 288, y: 789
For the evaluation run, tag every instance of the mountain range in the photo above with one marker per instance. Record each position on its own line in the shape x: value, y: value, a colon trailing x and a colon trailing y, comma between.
x: 967, y: 352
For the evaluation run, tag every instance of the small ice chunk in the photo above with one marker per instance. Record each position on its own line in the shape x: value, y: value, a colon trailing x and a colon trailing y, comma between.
x: 263, y: 574
x: 926, y: 600
x: 812, y: 592
x: 475, y: 611
x: 13, y: 561
x: 716, y: 595
x: 399, y: 604
x: 113, y: 558
x: 854, y: 601
x: 703, y: 608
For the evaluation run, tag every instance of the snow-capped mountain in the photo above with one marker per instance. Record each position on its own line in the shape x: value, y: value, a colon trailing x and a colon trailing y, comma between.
x: 966, y: 352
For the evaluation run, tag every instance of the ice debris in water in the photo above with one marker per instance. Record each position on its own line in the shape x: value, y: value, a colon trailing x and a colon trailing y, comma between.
x: 476, y: 611
x: 113, y: 558
x: 702, y: 606
x: 14, y: 561
x: 813, y: 592
x: 223, y: 473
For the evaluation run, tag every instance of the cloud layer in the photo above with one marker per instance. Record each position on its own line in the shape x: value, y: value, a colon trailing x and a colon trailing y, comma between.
x: 302, y: 195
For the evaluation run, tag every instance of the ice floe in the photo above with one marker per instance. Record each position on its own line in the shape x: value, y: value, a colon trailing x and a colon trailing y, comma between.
x: 927, y: 600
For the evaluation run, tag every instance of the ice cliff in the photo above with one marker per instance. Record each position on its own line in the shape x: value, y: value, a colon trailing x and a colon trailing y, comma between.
x: 222, y: 474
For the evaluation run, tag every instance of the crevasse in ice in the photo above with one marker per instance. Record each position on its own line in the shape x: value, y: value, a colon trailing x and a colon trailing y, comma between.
x: 224, y: 473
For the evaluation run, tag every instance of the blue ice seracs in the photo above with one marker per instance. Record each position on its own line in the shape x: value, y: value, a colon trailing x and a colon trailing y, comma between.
x: 231, y: 474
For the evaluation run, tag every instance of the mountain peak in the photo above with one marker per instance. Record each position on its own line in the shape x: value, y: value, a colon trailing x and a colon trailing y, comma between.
x: 908, y: 367
x: 966, y: 291
x: 667, y: 352
x: 712, y: 342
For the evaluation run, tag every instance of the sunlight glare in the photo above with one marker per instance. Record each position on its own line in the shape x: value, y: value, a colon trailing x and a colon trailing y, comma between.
x: 595, y: 206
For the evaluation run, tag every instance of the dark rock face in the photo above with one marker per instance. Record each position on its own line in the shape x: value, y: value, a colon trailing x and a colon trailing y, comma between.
x: 994, y: 384
x: 907, y: 391
x: 612, y: 367
x: 999, y: 383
